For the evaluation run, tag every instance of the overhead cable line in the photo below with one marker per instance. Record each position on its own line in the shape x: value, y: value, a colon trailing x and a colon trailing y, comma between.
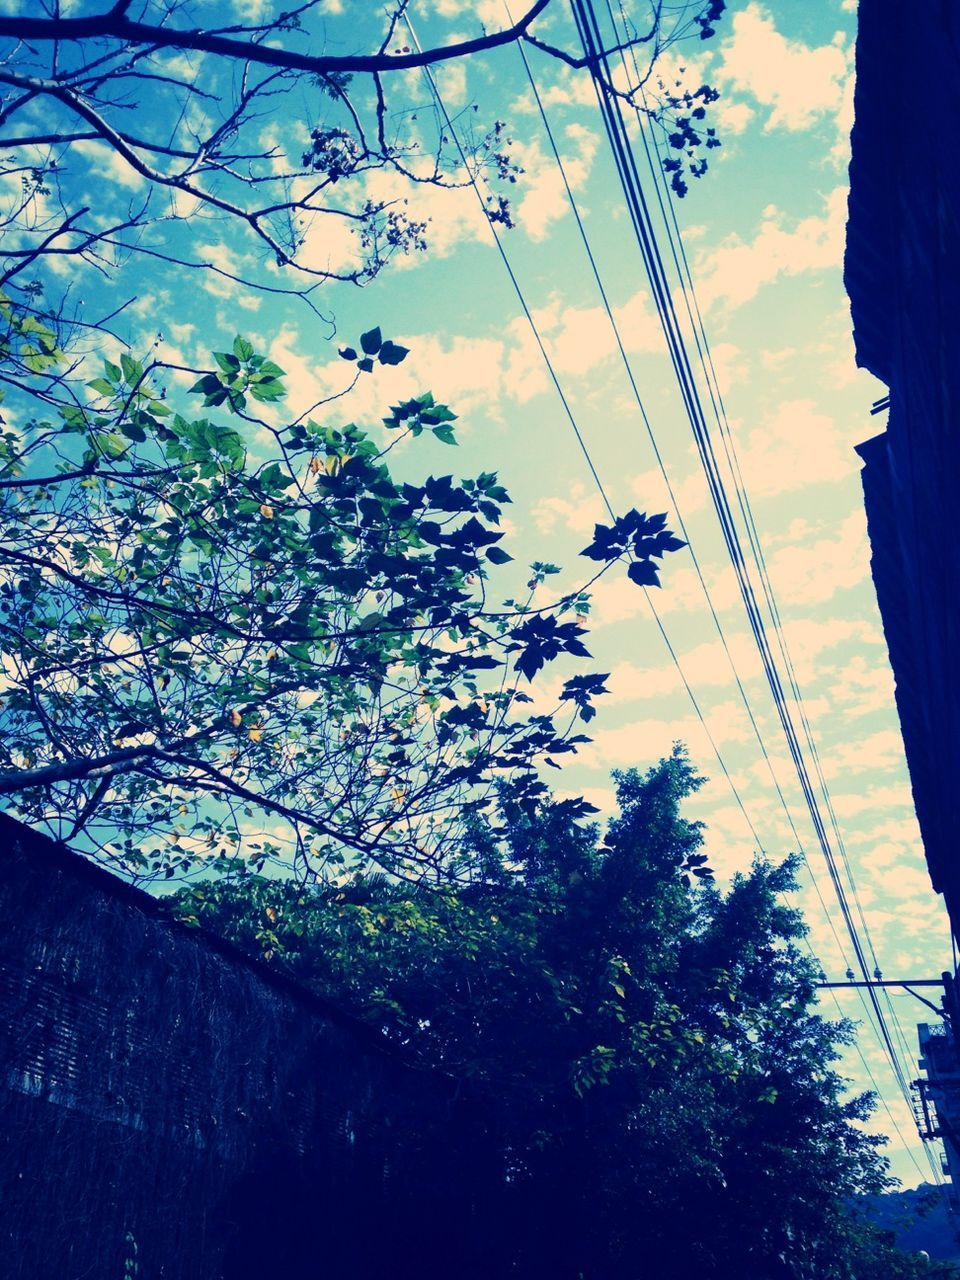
x: 659, y: 458
x: 705, y: 356
x: 669, y: 485
x: 582, y: 444
x: 695, y: 318
x: 452, y: 133
x: 618, y: 136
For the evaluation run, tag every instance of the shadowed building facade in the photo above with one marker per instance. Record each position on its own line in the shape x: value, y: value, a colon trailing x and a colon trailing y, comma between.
x: 902, y: 273
x: 170, y: 1108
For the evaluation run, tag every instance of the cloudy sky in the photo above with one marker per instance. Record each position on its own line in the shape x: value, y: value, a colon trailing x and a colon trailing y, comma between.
x: 763, y: 232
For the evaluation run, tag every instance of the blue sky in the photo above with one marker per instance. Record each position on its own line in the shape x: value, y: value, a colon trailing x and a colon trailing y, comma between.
x: 764, y: 232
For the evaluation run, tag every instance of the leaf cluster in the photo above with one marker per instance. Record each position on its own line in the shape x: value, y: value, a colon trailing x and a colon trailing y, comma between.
x: 645, y: 1049
x: 200, y: 640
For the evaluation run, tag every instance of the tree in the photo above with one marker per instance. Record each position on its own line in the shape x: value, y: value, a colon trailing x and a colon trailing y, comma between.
x: 664, y: 1095
x: 198, y: 636
x: 197, y: 120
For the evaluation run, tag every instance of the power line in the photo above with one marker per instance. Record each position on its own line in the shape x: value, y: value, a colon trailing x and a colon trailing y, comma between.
x: 452, y: 132
x: 695, y: 317
x: 675, y: 240
x: 666, y: 477
x: 680, y: 360
x: 618, y: 136
x: 699, y: 331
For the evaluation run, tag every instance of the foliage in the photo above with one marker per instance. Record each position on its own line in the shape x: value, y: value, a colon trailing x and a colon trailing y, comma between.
x: 875, y: 1256
x: 196, y: 119
x: 645, y: 1043
x: 207, y: 644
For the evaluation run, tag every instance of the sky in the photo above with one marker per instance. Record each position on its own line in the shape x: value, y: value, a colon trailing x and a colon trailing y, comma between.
x: 764, y: 234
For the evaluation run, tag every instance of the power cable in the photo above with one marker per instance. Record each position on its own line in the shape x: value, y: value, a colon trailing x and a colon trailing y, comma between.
x: 595, y: 475
x: 667, y: 481
x: 453, y: 133
x: 695, y: 318
x: 705, y: 355
x: 643, y: 227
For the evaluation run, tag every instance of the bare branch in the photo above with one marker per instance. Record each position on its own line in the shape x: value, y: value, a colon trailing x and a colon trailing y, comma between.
x: 115, y: 25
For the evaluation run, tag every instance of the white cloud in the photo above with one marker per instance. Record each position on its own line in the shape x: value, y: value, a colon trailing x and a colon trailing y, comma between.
x: 524, y: 375
x: 813, y: 573
x: 874, y: 800
x: 451, y: 79
x: 877, y: 753
x: 465, y: 372
x: 841, y: 148
x: 730, y: 364
x: 863, y: 687
x: 735, y: 272
x: 808, y: 639
x: 796, y: 82
x: 732, y: 117
x: 579, y: 513
x: 107, y: 166
x: 541, y: 198
x: 644, y: 740
x: 568, y: 89
x: 705, y: 666
x: 220, y: 281
x: 459, y: 371
x: 797, y: 447
x: 488, y: 13
x: 578, y: 339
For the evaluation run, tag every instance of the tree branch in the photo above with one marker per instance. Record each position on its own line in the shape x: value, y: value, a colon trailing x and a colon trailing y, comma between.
x: 115, y: 25
x: 69, y: 770
x: 589, y: 60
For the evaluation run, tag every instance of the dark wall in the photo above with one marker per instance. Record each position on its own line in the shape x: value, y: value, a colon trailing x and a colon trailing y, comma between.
x: 902, y: 273
x: 169, y: 1110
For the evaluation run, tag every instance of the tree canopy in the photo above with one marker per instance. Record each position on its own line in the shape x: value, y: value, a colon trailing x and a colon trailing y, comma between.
x: 270, y: 655
x: 262, y: 124
x: 645, y: 1042
x: 200, y: 633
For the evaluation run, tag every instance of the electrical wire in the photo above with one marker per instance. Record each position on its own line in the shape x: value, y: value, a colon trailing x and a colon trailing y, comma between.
x: 712, y: 383
x: 695, y: 318
x: 678, y: 364
x: 643, y: 227
x: 452, y: 133
x: 571, y: 200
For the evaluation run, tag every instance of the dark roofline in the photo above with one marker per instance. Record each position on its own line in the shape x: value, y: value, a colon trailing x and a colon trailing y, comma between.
x: 872, y: 448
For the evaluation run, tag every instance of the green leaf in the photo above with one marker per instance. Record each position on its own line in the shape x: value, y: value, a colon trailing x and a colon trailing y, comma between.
x: 497, y: 555
x: 445, y: 434
x: 644, y: 573
x: 393, y: 353
x: 227, y: 362
x: 271, y: 389
x: 112, y: 444
x: 242, y: 349
x: 132, y: 369
x: 102, y: 386
x: 371, y: 341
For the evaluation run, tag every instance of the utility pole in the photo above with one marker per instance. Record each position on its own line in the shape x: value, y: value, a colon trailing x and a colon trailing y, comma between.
x: 938, y: 1089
